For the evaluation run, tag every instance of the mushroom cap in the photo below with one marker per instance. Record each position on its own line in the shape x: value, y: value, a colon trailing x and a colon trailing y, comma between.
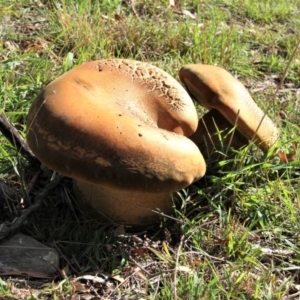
x: 117, y: 123
x: 215, y: 88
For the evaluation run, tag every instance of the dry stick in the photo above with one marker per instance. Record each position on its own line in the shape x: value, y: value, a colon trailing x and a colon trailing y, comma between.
x: 176, y: 267
x: 132, y: 4
x: 293, y: 296
x: 37, y: 203
x: 14, y: 137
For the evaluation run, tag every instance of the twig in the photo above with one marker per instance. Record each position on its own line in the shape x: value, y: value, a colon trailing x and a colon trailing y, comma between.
x: 14, y: 137
x: 137, y: 271
x: 138, y: 265
x: 292, y: 296
x: 221, y: 260
x: 33, y: 181
x: 132, y: 5
x: 176, y: 267
x: 157, y: 287
x: 37, y: 203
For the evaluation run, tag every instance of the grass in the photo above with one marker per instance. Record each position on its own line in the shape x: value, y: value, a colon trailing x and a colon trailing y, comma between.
x: 234, y: 236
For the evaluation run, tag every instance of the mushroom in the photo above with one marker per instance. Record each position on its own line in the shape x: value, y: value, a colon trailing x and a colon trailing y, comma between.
x: 230, y: 105
x: 119, y: 128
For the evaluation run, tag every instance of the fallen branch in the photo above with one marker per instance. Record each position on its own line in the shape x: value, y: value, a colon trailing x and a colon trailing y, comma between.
x: 7, y: 231
x: 293, y: 296
x: 14, y: 137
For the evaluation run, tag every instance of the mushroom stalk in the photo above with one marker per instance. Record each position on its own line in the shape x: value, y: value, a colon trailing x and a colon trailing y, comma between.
x: 121, y: 206
x: 215, y: 134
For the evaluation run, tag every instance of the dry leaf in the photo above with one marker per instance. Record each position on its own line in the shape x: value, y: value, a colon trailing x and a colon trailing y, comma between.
x: 185, y: 269
x: 140, y: 251
x: 92, y: 278
x: 118, y: 278
x: 189, y: 14
x: 118, y: 17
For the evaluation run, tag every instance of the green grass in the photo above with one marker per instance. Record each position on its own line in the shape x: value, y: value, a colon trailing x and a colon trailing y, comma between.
x: 234, y: 236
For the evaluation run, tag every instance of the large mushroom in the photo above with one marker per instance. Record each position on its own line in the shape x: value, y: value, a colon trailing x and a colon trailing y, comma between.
x: 118, y: 128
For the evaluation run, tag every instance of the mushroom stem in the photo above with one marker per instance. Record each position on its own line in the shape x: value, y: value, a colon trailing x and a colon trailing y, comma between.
x: 119, y: 206
x: 215, y: 88
x: 215, y: 134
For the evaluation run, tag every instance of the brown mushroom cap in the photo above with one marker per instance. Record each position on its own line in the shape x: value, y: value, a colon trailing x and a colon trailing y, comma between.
x: 117, y: 123
x: 215, y: 88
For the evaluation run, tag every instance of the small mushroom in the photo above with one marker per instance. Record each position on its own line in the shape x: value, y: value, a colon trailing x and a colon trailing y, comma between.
x: 119, y: 128
x: 230, y: 105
